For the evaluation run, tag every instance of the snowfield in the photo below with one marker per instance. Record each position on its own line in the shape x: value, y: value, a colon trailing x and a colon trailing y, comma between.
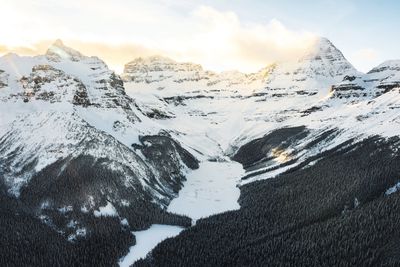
x: 209, y: 190
x: 108, y: 210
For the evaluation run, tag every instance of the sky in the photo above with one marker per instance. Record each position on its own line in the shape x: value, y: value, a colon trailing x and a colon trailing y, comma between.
x: 221, y: 34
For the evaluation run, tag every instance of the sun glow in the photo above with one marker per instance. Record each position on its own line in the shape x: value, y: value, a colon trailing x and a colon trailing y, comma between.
x: 281, y: 155
x: 219, y: 40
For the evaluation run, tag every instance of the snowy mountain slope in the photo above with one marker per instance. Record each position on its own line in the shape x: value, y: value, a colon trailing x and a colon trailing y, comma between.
x: 321, y: 90
x: 321, y: 66
x: 169, y: 77
x: 72, y: 89
x: 73, y: 144
x: 237, y: 103
x: 376, y: 82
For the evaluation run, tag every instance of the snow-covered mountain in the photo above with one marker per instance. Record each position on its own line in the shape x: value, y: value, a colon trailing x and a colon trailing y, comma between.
x: 167, y: 75
x: 327, y: 133
x: 82, y: 147
x: 321, y: 66
x: 226, y: 106
x: 73, y: 144
x: 320, y: 90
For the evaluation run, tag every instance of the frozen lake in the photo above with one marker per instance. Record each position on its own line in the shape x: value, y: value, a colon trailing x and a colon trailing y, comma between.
x: 209, y: 190
x: 146, y: 240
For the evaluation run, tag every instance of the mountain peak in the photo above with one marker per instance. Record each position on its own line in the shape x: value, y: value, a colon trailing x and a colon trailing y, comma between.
x: 58, y: 43
x: 58, y: 51
x: 325, y: 59
x: 323, y: 49
x: 324, y: 42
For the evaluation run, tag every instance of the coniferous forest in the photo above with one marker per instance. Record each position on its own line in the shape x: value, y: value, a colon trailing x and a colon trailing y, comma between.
x: 334, y: 213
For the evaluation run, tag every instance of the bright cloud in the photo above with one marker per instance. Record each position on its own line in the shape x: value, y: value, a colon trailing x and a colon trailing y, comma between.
x: 222, y: 41
x: 121, y: 30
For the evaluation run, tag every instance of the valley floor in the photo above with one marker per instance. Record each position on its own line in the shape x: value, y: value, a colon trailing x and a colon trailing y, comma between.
x: 209, y: 190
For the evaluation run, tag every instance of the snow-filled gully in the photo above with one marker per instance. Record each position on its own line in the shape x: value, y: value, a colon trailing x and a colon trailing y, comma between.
x: 209, y: 190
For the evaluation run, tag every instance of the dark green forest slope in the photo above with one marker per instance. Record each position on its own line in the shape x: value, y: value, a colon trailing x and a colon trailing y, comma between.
x: 333, y: 213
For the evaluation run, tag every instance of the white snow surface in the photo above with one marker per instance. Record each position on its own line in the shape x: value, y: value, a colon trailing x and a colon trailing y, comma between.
x: 393, y: 189
x: 146, y: 240
x: 209, y: 190
x: 106, y: 211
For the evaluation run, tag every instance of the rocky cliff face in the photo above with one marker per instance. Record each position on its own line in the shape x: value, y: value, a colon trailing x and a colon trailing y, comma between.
x: 380, y: 80
x: 157, y: 69
x: 163, y: 73
x: 385, y: 76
